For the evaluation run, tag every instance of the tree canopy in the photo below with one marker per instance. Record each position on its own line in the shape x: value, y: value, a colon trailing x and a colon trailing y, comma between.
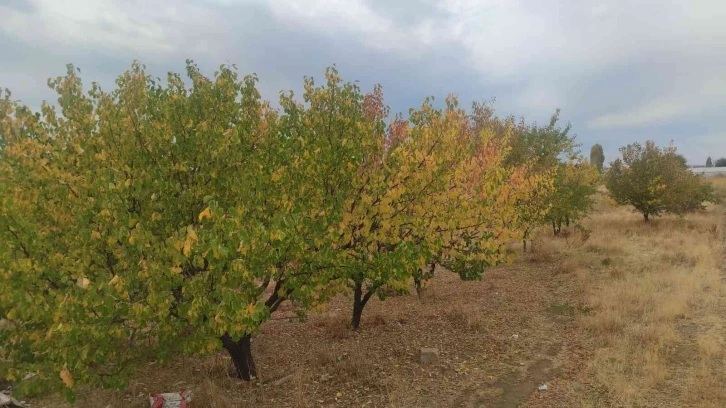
x: 656, y: 180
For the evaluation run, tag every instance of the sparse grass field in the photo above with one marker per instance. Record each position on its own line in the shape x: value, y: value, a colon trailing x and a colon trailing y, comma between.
x: 627, y: 314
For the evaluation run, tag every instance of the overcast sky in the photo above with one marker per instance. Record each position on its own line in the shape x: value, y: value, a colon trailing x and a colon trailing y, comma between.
x: 621, y: 71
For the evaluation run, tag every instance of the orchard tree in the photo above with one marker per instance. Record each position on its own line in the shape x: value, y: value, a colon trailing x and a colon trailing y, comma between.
x: 154, y: 220
x: 434, y: 193
x: 597, y: 157
x: 709, y: 162
x: 656, y: 180
x: 543, y: 148
x: 478, y: 211
x: 574, y: 185
x: 388, y: 230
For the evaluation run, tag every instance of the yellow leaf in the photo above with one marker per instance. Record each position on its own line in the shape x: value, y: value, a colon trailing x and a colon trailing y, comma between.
x: 83, y: 282
x: 191, y: 238
x: 67, y: 378
x: 175, y: 270
x: 96, y: 235
x: 207, y: 213
x: 250, y: 308
x: 114, y: 280
x: 132, y: 240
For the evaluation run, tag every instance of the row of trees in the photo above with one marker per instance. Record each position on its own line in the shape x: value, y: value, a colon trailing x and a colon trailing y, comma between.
x: 719, y: 162
x: 162, y: 219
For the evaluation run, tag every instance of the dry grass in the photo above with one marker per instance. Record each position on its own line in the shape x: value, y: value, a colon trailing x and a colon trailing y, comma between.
x: 658, y: 300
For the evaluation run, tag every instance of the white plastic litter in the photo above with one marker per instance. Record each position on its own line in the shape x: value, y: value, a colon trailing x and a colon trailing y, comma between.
x: 179, y: 399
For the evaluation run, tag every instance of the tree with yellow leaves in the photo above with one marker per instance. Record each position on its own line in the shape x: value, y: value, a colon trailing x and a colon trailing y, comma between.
x: 435, y: 193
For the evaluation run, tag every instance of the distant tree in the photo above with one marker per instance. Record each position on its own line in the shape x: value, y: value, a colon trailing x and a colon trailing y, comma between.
x: 709, y: 162
x: 721, y: 162
x: 542, y: 148
x: 597, y: 157
x: 656, y: 180
x: 574, y: 184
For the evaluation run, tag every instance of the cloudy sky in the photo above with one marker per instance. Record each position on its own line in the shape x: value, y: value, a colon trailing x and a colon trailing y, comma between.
x: 620, y: 70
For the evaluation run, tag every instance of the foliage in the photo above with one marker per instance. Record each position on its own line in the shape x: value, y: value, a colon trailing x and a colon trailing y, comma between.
x: 149, y: 221
x: 720, y: 162
x: 543, y: 148
x: 575, y: 182
x: 438, y: 194
x: 597, y: 157
x: 709, y: 162
x: 656, y: 180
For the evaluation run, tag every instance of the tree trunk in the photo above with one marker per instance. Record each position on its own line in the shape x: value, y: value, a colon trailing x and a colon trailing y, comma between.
x: 420, y: 278
x: 524, y: 245
x: 418, y: 282
x: 359, y: 302
x: 357, y: 305
x: 241, y: 353
x: 645, y: 216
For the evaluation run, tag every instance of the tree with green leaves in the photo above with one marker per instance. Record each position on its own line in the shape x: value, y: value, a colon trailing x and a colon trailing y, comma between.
x: 154, y: 220
x: 720, y: 162
x: 709, y: 162
x: 656, y: 180
x: 575, y: 183
x: 543, y: 148
x: 597, y: 157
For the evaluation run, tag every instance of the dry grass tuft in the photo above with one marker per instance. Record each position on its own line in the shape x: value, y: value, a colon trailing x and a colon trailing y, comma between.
x: 465, y: 319
x: 337, y: 327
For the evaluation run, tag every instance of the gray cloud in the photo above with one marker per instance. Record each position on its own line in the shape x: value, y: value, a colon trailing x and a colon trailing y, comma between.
x: 621, y: 71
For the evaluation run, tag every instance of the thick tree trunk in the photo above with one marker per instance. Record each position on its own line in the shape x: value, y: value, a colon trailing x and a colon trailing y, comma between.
x: 645, y: 216
x: 241, y: 353
x: 555, y: 230
x: 357, y: 305
x: 359, y: 302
